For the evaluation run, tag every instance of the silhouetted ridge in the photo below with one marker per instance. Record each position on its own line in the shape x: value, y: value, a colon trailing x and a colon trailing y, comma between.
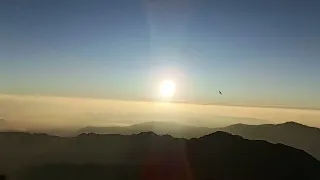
x: 289, y: 133
x: 292, y: 123
x: 219, y: 155
x: 87, y: 134
x: 160, y: 128
x: 218, y: 135
x: 152, y: 124
x: 147, y: 134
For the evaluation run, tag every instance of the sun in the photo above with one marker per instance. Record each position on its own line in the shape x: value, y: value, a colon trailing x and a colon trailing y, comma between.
x: 167, y: 89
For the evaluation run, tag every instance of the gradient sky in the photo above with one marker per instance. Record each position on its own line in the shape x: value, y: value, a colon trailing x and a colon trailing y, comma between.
x: 257, y: 52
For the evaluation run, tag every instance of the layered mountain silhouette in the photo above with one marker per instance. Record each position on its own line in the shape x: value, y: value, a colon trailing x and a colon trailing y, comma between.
x: 218, y: 156
x: 160, y: 128
x: 289, y: 133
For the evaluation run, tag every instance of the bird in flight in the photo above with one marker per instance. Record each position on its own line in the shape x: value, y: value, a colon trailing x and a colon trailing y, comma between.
x: 220, y: 92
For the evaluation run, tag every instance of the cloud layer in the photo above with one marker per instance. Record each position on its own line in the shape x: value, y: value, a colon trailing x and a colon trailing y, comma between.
x: 33, y: 112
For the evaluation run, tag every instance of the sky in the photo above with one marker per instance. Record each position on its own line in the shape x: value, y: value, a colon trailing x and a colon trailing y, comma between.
x: 257, y: 52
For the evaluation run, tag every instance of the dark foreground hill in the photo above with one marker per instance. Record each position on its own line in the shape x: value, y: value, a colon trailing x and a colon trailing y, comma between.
x: 292, y: 134
x: 219, y: 156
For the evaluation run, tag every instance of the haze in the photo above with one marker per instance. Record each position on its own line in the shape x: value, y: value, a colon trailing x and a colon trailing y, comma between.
x: 43, y: 112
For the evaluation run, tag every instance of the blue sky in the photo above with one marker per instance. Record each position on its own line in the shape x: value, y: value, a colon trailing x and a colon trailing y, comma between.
x: 258, y: 52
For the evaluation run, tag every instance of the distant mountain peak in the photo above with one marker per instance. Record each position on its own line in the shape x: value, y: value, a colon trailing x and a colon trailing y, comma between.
x: 157, y: 123
x: 218, y: 135
x: 292, y: 123
x: 86, y: 134
x: 150, y: 133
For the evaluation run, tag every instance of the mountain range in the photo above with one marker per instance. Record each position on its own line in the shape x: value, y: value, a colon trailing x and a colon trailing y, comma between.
x: 290, y: 133
x: 217, y: 156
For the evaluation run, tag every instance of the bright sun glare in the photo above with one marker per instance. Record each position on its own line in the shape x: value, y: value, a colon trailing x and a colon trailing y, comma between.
x: 167, y: 89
